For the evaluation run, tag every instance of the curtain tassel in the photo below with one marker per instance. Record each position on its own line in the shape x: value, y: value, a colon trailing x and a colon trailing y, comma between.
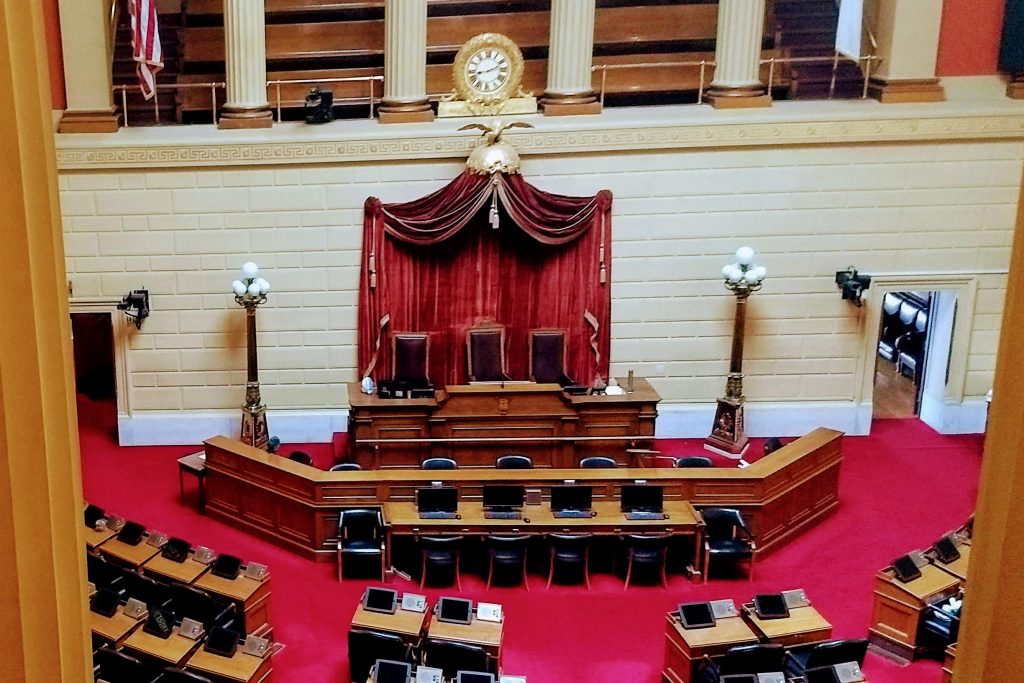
x: 373, y: 271
x: 495, y: 221
x: 602, y: 273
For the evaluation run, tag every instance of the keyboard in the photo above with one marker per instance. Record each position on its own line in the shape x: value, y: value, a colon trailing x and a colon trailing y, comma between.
x: 503, y: 514
x: 439, y: 515
x: 645, y: 514
x: 572, y: 514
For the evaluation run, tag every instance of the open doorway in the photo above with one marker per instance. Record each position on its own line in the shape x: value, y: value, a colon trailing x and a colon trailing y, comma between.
x: 92, y: 335
x: 900, y: 363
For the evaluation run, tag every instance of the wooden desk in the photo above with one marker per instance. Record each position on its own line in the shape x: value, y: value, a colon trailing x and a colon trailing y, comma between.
x: 898, y: 607
x: 803, y: 625
x: 97, y: 537
x: 477, y: 423
x: 948, y: 660
x: 252, y: 597
x: 240, y: 667
x: 404, y: 623
x: 113, y: 629
x: 958, y: 567
x: 173, y: 650
x: 486, y: 634
x: 183, y: 572
x: 684, y: 649
x: 132, y: 555
x: 297, y: 506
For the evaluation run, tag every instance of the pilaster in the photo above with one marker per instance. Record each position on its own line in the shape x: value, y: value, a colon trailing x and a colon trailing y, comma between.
x: 405, y: 63
x: 245, y: 54
x: 570, y: 57
x: 87, y: 52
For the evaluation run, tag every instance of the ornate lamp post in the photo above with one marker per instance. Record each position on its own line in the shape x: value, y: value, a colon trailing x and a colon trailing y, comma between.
x: 728, y: 437
x: 250, y: 292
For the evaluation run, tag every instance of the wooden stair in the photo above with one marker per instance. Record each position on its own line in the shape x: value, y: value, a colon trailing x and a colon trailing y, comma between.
x: 807, y: 28
x: 140, y: 111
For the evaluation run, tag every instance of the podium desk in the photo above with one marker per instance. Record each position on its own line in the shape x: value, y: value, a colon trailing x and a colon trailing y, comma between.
x: 486, y: 634
x: 167, y: 570
x: 113, y: 629
x: 898, y: 607
x: 173, y: 650
x: 250, y: 596
x: 239, y: 667
x: 133, y: 555
x: 948, y: 659
x: 804, y: 625
x: 685, y: 648
x: 406, y: 624
x: 97, y: 537
x: 957, y: 567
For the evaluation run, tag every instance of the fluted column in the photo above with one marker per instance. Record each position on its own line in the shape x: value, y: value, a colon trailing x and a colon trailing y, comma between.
x: 737, y: 80
x: 570, y: 55
x: 86, y: 49
x: 405, y: 63
x: 907, y: 33
x: 245, y: 57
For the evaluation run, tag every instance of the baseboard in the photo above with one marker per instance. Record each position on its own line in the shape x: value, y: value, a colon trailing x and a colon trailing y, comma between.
x: 947, y: 417
x: 693, y: 421
x: 186, y: 428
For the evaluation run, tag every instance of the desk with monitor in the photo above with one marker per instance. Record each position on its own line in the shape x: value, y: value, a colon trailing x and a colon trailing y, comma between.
x: 240, y: 667
x: 113, y: 629
x: 173, y: 650
x: 406, y: 624
x: 898, y: 607
x: 163, y: 569
x: 486, y: 634
x: 251, y: 596
x: 685, y: 648
x: 803, y: 626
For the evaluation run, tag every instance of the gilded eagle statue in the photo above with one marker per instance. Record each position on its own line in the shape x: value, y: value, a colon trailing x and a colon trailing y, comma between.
x: 493, y: 155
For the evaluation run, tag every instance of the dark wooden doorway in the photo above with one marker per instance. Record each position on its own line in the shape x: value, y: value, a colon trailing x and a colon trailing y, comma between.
x: 93, y: 343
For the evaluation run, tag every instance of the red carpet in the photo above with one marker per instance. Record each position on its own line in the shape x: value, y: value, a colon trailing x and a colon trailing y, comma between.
x: 901, y: 488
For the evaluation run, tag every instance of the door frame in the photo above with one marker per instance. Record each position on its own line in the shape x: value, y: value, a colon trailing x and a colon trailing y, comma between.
x: 122, y: 333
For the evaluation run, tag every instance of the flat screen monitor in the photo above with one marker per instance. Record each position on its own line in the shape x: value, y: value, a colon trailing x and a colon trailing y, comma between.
x: 696, y: 615
x: 821, y: 674
x: 739, y: 678
x: 906, y: 569
x: 226, y: 566
x: 176, y: 549
x: 771, y: 606
x: 93, y: 514
x: 391, y: 671
x: 474, y: 677
x: 221, y: 641
x: 642, y: 498
x: 946, y: 550
x: 571, y: 497
x: 455, y: 610
x: 131, y: 533
x: 504, y: 496
x: 382, y: 600
x: 437, y: 499
x: 159, y: 622
x: 105, y: 602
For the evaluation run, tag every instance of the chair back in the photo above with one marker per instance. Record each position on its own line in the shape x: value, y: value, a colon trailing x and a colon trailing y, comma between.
x: 173, y: 674
x: 144, y: 589
x: 908, y: 313
x: 365, y: 647
x: 694, y: 461
x: 346, y: 467
x: 410, y: 358
x: 722, y: 522
x: 485, y: 350
x: 547, y: 356
x: 752, y: 659
x: 450, y: 543
x: 301, y: 457
x: 837, y: 652
x: 507, y: 543
x: 598, y: 462
x: 772, y: 444
x: 120, y: 667
x: 891, y: 304
x: 194, y: 603
x: 452, y: 657
x: 359, y: 524
x: 439, y: 464
x: 514, y: 461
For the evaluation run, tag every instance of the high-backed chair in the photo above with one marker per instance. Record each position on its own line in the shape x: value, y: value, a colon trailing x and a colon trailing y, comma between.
x: 570, y: 558
x: 173, y: 674
x: 145, y: 589
x: 301, y: 457
x: 103, y: 574
x: 726, y: 535
x: 594, y: 462
x: 120, y: 667
x: 439, y: 464
x: 645, y: 554
x: 910, y: 347
x: 194, y: 603
x: 485, y: 353
x: 547, y: 357
x: 693, y: 461
x: 940, y: 626
x: 513, y: 461
x: 772, y: 444
x: 440, y: 560
x: 360, y: 540
x: 346, y: 467
x: 365, y: 647
x: 452, y: 656
x: 742, y: 659
x: 825, y: 654
x: 892, y: 326
x: 506, y: 559
x: 410, y: 358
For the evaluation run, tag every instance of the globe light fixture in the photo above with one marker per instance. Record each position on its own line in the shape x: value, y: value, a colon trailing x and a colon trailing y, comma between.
x: 250, y: 292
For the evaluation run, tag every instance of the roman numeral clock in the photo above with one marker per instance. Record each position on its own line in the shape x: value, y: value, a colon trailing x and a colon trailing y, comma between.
x: 488, y: 75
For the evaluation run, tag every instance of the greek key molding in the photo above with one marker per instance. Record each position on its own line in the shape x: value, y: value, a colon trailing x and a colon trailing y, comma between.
x: 203, y: 146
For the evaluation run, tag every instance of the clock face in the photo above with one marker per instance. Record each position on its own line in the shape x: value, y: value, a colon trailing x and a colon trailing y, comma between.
x: 488, y: 70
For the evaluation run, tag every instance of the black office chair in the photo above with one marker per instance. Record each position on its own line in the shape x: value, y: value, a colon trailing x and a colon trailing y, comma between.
x: 345, y: 467
x: 507, y: 559
x: 194, y: 603
x: 103, y: 574
x: 645, y: 553
x: 939, y: 627
x: 173, y: 674
x: 594, y: 462
x: 726, y: 535
x: 694, y: 461
x: 825, y: 654
x: 440, y: 560
x: 570, y: 558
x: 452, y: 657
x: 301, y: 457
x: 772, y: 444
x: 145, y: 589
x: 439, y: 464
x: 119, y: 667
x: 742, y: 659
x: 365, y: 647
x: 513, y: 461
x: 360, y: 541
x: 547, y: 357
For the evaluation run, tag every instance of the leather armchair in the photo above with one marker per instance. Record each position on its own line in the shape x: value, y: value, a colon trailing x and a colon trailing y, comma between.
x: 440, y: 559
x: 825, y: 654
x: 360, y: 540
x: 439, y: 464
x: 646, y: 553
x: 726, y: 535
x: 485, y: 352
x: 910, y: 346
x: 892, y: 326
x: 547, y: 357
x: 410, y: 358
x: 365, y: 647
x: 598, y: 462
x: 507, y: 559
x: 694, y: 461
x: 570, y: 557
x: 453, y: 656
x: 513, y: 461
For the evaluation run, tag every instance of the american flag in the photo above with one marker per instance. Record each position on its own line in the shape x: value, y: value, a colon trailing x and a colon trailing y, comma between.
x: 146, y: 49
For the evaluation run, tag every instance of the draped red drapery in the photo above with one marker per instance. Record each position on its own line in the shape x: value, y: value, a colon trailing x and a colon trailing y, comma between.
x: 486, y: 249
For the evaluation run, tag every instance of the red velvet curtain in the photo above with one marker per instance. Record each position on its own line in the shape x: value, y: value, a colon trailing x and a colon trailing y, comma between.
x: 439, y: 265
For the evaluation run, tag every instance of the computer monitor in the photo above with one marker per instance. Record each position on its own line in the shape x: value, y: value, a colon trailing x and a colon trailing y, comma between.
x: 105, y: 602
x: 696, y: 615
x: 93, y: 514
x: 771, y: 606
x: 226, y: 566
x: 176, y: 549
x: 906, y: 569
x: 642, y: 498
x: 437, y: 499
x: 506, y: 496
x: 391, y: 671
x: 159, y: 622
x: 821, y: 674
x: 946, y: 550
x: 739, y: 678
x: 382, y: 600
x: 455, y: 610
x: 131, y: 533
x: 221, y: 641
x: 474, y: 677
x: 571, y: 497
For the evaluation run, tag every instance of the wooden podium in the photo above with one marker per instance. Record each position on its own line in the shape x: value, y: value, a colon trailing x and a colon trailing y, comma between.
x: 684, y: 649
x: 898, y: 608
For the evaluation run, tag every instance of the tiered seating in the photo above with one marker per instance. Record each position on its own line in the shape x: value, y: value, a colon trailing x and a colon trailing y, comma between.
x: 807, y: 28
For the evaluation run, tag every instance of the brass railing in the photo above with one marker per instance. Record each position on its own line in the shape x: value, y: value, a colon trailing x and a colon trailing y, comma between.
x: 371, y: 96
x: 125, y: 89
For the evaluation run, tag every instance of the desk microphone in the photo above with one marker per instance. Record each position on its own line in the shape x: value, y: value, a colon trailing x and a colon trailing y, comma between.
x: 526, y: 520
x: 458, y: 516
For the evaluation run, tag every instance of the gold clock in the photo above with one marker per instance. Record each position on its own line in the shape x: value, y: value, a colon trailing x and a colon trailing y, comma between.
x: 488, y: 69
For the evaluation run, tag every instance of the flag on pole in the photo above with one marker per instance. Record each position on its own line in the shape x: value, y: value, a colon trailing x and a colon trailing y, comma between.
x: 848, y: 31
x: 146, y: 49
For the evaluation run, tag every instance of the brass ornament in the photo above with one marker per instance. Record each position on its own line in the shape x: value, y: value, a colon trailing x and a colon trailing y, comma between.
x: 488, y: 69
x: 493, y: 155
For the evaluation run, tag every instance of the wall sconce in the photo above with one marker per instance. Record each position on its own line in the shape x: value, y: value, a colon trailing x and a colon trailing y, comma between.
x: 852, y: 285
x: 135, y: 305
